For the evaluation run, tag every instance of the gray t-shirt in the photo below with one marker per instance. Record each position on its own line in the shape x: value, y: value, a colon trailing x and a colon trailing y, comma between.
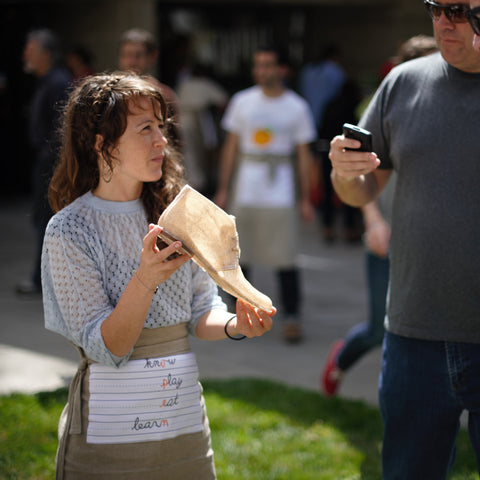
x: 425, y: 121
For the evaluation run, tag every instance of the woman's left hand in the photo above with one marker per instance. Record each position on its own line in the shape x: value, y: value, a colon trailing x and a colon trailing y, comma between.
x: 251, y: 321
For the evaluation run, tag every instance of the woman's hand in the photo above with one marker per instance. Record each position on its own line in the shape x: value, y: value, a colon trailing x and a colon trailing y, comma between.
x: 154, y: 267
x: 250, y: 321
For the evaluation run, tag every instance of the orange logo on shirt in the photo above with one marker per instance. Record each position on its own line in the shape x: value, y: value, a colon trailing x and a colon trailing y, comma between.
x: 262, y: 137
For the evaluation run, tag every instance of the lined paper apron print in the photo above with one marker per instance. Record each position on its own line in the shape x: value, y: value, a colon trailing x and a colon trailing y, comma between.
x: 147, y: 400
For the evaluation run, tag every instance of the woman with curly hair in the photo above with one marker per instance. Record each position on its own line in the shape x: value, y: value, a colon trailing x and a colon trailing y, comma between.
x: 127, y: 302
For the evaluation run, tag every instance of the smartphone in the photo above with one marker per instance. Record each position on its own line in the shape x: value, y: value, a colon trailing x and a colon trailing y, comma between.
x: 357, y: 133
x: 166, y: 238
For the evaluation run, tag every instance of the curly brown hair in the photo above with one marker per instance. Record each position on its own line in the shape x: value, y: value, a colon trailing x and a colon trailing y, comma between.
x: 100, y: 105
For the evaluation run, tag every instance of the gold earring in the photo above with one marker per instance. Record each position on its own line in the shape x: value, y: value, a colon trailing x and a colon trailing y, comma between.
x: 107, y: 179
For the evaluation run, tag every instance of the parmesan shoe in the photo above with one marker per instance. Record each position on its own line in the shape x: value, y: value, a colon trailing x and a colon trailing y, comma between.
x: 210, y: 236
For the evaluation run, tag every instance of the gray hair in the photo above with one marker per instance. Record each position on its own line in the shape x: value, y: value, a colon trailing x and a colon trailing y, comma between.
x: 138, y: 35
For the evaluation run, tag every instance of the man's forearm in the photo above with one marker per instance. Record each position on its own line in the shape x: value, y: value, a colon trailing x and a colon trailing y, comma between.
x: 357, y: 191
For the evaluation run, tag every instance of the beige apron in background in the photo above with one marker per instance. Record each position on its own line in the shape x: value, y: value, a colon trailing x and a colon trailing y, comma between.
x: 267, y: 235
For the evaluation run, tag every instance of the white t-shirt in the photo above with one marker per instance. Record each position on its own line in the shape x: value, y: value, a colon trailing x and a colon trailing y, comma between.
x: 273, y: 126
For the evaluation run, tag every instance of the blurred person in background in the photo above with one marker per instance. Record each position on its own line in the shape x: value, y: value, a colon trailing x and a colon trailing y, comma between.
x: 330, y: 93
x: 202, y: 100
x: 79, y: 60
x: 269, y: 132
x: 138, y: 53
x: 41, y: 58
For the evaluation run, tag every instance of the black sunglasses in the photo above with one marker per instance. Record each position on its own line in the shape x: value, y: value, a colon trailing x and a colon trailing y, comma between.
x: 473, y: 19
x: 455, y: 12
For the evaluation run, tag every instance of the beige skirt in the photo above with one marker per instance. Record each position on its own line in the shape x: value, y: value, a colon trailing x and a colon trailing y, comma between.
x: 185, y: 456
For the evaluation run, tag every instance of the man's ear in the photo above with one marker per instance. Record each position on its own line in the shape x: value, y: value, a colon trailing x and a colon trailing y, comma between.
x: 98, y: 143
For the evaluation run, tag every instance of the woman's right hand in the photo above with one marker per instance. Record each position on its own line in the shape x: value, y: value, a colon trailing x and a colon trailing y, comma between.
x: 154, y: 267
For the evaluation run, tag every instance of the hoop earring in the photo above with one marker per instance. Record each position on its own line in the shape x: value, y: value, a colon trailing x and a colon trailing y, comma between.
x: 107, y: 179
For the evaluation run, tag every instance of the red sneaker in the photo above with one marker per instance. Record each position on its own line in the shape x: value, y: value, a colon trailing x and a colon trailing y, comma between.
x: 331, y: 374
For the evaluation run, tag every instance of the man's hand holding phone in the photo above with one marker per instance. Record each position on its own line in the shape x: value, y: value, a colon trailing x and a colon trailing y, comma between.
x: 360, y: 134
x: 351, y: 153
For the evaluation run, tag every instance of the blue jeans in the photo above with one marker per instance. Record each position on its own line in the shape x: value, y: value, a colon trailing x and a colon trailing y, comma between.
x: 362, y: 338
x: 424, y: 387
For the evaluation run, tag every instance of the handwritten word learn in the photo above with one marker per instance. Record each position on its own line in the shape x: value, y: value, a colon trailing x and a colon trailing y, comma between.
x: 138, y: 425
x: 159, y: 363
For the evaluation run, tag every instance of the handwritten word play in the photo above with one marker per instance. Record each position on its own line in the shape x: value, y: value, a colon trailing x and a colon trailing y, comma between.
x: 171, y: 381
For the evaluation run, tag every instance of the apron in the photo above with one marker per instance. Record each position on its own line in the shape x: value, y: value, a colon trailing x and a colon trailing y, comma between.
x: 96, y: 443
x: 267, y: 227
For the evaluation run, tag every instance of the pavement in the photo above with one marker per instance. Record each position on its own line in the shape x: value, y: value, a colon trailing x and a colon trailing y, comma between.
x: 333, y: 281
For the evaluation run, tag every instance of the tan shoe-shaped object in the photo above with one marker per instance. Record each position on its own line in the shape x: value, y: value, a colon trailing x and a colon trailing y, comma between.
x: 210, y: 236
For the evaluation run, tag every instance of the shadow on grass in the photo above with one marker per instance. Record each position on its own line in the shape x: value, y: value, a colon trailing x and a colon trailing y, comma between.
x: 49, y: 399
x: 360, y: 423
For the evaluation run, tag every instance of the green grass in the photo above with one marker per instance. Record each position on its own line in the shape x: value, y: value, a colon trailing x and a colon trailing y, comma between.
x: 260, y: 430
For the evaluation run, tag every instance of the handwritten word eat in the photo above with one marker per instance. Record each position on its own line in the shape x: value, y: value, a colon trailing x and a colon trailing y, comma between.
x: 170, y: 402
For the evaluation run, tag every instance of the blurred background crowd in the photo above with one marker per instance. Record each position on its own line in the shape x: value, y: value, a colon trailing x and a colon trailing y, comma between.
x: 194, y: 39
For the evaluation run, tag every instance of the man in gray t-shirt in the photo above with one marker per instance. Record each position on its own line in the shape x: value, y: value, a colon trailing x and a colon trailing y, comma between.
x: 424, y: 121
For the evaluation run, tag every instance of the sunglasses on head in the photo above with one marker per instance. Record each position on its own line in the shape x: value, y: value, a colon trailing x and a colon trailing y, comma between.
x: 455, y: 12
x: 474, y: 19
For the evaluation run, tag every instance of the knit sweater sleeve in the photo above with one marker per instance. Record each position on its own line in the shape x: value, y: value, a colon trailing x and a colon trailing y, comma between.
x: 75, y: 300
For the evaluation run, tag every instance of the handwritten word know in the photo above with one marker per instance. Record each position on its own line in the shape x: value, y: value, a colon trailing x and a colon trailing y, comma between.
x: 159, y: 363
